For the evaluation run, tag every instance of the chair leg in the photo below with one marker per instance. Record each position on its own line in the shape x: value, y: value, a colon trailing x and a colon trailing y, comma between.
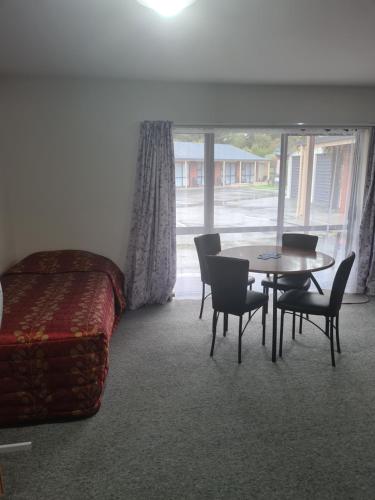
x: 239, y: 338
x: 294, y: 327
x: 331, y: 342
x: 264, y: 324
x: 281, y: 332
x: 326, y: 332
x: 300, y: 323
x: 225, y: 323
x: 266, y: 292
x: 214, y: 324
x: 337, y: 335
x: 202, y: 302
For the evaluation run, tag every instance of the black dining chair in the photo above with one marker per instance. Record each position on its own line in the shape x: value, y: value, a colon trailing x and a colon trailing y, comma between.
x: 230, y: 295
x: 209, y: 244
x: 301, y: 281
x: 300, y: 301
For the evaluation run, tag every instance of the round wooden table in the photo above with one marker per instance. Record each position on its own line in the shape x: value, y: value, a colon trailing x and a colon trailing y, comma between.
x: 291, y: 261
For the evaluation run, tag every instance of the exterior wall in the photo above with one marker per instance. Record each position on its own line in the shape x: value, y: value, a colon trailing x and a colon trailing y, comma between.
x: 195, y: 173
x: 260, y: 171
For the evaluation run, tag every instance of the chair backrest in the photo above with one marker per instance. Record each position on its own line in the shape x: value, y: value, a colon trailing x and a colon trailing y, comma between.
x: 229, y: 279
x: 207, y: 244
x: 300, y: 241
x: 339, y: 283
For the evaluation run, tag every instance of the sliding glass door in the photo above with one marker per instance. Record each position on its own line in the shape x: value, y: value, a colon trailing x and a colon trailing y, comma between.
x: 253, y: 185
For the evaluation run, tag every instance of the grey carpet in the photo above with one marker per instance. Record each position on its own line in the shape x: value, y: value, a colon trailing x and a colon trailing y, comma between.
x: 176, y: 424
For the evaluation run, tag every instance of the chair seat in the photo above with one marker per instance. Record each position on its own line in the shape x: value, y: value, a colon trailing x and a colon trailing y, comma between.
x: 290, y: 282
x: 305, y: 302
x: 255, y: 300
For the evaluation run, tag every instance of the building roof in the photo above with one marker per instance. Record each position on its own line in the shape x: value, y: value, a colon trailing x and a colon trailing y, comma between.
x: 195, y: 151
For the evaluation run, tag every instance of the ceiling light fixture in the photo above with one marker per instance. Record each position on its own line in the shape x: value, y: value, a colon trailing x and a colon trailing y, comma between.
x: 167, y: 8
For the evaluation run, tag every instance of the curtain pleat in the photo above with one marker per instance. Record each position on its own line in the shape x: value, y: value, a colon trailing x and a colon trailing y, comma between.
x: 151, y: 258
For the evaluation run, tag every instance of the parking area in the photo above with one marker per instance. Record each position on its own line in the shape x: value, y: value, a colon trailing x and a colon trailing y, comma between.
x: 246, y: 206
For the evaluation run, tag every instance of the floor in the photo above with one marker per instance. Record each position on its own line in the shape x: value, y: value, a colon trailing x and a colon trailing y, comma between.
x: 175, y: 423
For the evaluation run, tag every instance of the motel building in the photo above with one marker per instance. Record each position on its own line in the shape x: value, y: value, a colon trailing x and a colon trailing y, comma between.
x: 233, y: 166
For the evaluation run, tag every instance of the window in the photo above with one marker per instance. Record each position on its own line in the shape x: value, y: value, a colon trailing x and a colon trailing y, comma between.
x: 257, y: 184
x: 230, y: 173
x: 199, y: 174
x: 247, y: 173
x: 180, y: 174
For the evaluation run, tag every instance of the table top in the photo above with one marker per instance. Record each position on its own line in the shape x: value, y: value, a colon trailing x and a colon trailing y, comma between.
x: 292, y: 260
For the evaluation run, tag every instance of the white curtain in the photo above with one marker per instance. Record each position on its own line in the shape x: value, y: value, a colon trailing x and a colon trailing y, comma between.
x: 347, y: 240
x: 151, y: 258
x: 355, y: 210
x: 366, y: 255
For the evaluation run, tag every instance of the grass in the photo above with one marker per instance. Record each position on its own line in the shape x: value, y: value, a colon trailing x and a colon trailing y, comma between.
x: 268, y: 187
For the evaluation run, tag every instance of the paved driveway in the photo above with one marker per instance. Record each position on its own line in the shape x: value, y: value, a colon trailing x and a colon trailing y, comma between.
x: 245, y: 206
x: 250, y: 207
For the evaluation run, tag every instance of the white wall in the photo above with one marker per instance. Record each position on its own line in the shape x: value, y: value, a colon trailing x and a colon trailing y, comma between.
x: 5, y: 241
x: 4, y: 255
x: 69, y: 146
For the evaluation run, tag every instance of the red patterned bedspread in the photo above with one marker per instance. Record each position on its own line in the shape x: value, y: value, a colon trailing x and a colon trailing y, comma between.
x: 60, y: 309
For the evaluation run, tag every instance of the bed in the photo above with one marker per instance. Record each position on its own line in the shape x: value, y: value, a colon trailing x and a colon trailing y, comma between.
x: 60, y: 310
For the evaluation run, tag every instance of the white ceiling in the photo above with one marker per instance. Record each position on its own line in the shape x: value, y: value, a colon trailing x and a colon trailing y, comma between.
x: 242, y: 41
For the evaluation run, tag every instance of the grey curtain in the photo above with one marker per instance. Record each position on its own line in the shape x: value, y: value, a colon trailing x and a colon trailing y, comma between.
x: 366, y: 254
x: 151, y: 259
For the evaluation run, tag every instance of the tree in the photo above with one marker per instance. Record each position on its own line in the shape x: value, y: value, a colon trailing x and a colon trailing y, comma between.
x: 259, y: 142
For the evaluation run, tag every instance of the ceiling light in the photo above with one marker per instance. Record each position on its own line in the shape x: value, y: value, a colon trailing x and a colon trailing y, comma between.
x: 167, y: 8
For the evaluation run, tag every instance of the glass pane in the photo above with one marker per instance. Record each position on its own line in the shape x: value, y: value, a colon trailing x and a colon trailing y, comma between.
x: 229, y: 240
x: 332, y: 167
x: 330, y: 198
x: 188, y: 284
x: 295, y: 185
x: 318, y: 180
x: 246, y: 178
x: 189, y: 165
x: 329, y: 242
x: 318, y: 191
